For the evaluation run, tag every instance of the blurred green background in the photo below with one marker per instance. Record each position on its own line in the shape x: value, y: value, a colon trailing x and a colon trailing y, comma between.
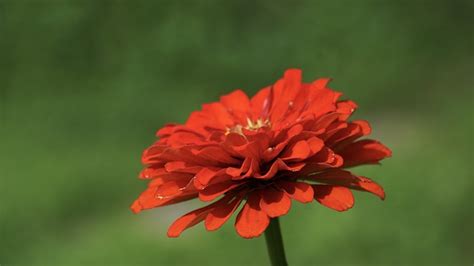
x: 84, y: 85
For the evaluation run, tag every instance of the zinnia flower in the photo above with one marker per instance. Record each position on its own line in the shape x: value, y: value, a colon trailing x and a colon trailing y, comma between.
x: 291, y: 141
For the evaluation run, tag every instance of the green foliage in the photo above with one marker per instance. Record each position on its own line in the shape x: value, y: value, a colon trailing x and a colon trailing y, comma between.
x: 84, y: 85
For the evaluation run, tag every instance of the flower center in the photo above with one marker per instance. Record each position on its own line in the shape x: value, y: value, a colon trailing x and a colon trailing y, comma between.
x: 251, y: 125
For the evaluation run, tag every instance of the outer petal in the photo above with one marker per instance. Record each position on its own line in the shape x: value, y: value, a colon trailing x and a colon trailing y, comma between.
x: 172, y: 187
x: 321, y: 99
x: 275, y: 202
x: 222, y: 211
x: 260, y: 103
x: 251, y: 221
x: 204, y: 176
x: 152, y: 172
x: 300, y: 150
x: 344, y: 136
x: 148, y: 199
x: 334, y: 197
x: 188, y: 220
x: 211, y: 192
x: 236, y: 101
x: 299, y: 191
x: 345, y: 109
x: 347, y: 179
x: 364, y: 152
x: 182, y: 167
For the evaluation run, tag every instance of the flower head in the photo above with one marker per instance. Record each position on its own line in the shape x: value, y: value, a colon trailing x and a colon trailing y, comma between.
x: 291, y: 141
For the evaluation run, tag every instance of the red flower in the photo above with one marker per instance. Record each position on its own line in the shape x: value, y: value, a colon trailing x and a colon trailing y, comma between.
x: 289, y: 142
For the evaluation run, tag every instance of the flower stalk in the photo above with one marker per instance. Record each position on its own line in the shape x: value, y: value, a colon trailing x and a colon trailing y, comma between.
x: 274, y: 241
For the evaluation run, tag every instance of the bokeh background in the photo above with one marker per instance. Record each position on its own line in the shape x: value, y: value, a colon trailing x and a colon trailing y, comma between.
x: 84, y: 85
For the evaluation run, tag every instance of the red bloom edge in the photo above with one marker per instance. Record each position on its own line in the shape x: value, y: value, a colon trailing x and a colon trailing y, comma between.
x: 291, y: 141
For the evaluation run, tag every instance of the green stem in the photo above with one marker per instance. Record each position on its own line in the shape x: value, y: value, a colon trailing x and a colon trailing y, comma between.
x: 275, y: 243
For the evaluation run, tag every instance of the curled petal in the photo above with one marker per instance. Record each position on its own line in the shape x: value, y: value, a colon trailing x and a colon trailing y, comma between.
x: 215, y: 155
x: 152, y: 172
x: 222, y: 211
x: 364, y: 152
x: 204, y: 177
x: 148, y: 199
x: 236, y: 101
x: 335, y: 197
x: 261, y: 151
x: 299, y: 191
x: 349, y: 134
x: 252, y: 220
x: 166, y: 131
x: 298, y: 151
x: 260, y: 104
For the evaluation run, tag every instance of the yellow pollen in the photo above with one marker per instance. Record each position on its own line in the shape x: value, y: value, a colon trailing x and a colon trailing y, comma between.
x: 251, y: 125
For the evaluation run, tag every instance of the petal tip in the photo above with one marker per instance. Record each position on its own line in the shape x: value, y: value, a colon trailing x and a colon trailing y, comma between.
x: 136, y: 207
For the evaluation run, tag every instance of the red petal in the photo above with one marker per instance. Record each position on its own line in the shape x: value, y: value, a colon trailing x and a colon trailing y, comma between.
x: 148, y: 199
x: 183, y: 138
x: 279, y: 165
x: 334, y: 197
x: 173, y: 187
x: 284, y: 92
x: 204, y: 176
x: 166, y: 130
x: 349, y: 134
x: 345, y: 109
x: 293, y: 77
x: 152, y: 172
x: 347, y: 179
x: 236, y: 101
x: 260, y: 104
x: 188, y: 220
x: 236, y: 173
x: 182, y: 178
x: 219, y: 114
x: 222, y: 211
x: 182, y: 167
x: 315, y: 144
x: 321, y: 100
x: 364, y: 152
x: 320, y: 84
x: 215, y: 156
x: 275, y: 202
x: 324, y: 159
x: 320, y: 125
x: 298, y: 151
x: 299, y: 191
x: 343, y: 134
x: 251, y: 221
x: 213, y: 191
